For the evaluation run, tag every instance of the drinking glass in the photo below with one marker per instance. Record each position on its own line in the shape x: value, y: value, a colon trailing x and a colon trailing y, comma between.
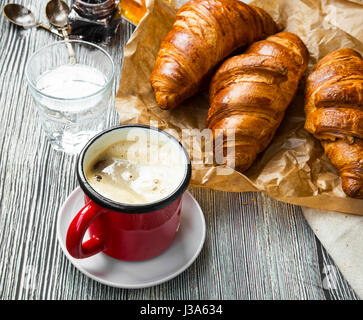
x: 72, y: 100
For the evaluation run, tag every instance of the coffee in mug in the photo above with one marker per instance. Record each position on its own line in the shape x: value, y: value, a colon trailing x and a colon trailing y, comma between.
x: 133, y: 178
x: 139, y: 169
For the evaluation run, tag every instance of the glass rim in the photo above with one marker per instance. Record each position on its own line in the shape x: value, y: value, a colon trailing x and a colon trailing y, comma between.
x: 107, y: 84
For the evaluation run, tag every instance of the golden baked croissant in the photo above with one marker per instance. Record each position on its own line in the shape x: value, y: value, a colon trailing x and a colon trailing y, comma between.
x: 334, y: 114
x: 250, y: 93
x: 204, y: 33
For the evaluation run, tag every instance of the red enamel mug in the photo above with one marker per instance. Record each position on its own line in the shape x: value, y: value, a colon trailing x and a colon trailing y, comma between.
x: 130, y: 232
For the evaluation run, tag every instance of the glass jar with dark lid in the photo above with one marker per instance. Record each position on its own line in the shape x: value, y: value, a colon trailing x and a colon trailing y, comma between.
x: 94, y: 20
x: 94, y: 9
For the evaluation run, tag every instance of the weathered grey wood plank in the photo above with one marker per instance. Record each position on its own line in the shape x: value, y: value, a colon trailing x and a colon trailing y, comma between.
x: 256, y: 247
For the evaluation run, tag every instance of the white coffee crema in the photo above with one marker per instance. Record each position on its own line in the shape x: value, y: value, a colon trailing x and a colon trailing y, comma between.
x: 137, y: 172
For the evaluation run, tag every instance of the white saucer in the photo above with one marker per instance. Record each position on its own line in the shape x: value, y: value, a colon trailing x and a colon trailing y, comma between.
x: 123, y: 274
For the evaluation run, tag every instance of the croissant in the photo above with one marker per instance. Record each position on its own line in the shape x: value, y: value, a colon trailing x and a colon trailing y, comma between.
x: 204, y: 33
x: 250, y: 93
x: 334, y: 114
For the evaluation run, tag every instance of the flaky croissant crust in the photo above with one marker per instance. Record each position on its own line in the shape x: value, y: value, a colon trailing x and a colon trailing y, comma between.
x: 334, y: 114
x: 204, y: 33
x: 250, y: 93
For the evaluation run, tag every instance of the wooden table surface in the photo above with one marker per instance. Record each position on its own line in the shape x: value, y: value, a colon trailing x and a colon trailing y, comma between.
x: 255, y: 248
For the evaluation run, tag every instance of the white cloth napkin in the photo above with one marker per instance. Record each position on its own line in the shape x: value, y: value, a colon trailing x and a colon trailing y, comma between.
x: 342, y: 237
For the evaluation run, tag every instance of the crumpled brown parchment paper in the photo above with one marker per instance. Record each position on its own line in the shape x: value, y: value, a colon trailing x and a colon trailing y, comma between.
x: 293, y: 168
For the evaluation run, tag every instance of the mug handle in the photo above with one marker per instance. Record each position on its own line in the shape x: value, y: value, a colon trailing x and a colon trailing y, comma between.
x: 77, y: 229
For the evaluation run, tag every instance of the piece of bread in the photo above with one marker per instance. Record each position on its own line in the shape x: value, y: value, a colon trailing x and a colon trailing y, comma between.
x: 334, y: 114
x: 204, y: 33
x: 250, y: 93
